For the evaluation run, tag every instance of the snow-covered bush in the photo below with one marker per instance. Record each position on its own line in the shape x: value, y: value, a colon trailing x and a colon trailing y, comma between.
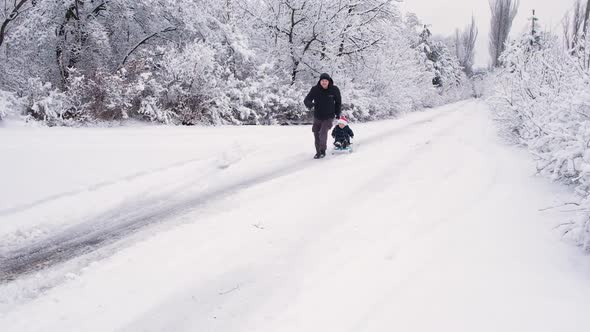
x: 103, y: 97
x: 187, y: 77
x: 542, y: 100
x: 10, y: 104
x: 50, y: 105
x: 264, y: 98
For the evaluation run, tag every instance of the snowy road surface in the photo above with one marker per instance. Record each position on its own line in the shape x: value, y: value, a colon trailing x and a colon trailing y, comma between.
x: 431, y: 225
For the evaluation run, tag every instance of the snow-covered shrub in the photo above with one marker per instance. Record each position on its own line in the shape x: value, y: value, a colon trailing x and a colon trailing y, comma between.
x: 10, y: 104
x: 52, y: 106
x: 264, y: 98
x: 148, y: 97
x: 102, y: 97
x: 542, y: 100
x: 202, y: 87
x: 187, y: 77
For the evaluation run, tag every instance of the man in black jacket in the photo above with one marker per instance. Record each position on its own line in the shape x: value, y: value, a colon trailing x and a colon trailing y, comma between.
x: 325, y: 100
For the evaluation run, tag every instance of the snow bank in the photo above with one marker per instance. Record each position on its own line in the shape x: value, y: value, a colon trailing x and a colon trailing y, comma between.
x: 542, y: 100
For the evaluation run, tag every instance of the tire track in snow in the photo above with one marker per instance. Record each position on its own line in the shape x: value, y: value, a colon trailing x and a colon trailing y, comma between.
x: 113, y: 226
x: 96, y: 186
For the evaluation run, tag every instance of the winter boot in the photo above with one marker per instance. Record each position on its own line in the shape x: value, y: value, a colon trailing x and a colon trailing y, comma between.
x: 317, y: 153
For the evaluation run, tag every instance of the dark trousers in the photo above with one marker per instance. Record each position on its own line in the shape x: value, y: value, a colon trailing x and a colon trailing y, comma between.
x: 320, y: 130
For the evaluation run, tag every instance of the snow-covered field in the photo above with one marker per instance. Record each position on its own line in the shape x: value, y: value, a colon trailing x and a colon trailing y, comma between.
x: 431, y: 225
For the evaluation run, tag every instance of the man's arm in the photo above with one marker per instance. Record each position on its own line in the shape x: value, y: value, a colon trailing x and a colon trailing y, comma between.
x: 308, y: 101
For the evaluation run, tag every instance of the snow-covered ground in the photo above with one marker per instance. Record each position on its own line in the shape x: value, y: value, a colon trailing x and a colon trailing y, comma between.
x: 431, y: 225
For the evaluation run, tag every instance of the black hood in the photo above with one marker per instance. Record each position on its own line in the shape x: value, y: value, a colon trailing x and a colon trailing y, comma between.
x: 326, y: 77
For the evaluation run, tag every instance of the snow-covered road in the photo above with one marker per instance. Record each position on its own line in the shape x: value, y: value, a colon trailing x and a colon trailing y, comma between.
x: 431, y: 225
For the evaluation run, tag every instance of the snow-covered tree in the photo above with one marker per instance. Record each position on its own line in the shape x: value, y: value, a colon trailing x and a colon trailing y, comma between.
x: 465, y: 46
x: 503, y: 14
x: 437, y: 57
x: 313, y: 36
x: 572, y: 26
x: 210, y: 62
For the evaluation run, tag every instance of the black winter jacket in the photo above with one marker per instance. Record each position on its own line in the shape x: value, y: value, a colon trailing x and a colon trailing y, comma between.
x: 342, y: 134
x: 325, y: 102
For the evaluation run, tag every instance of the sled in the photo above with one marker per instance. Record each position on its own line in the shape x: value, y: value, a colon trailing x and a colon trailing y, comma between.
x: 345, y: 150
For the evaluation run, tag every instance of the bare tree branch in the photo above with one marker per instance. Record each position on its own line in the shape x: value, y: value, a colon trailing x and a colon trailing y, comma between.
x: 143, y: 41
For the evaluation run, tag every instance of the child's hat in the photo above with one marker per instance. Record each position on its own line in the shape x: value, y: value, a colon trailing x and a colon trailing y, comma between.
x: 343, y: 120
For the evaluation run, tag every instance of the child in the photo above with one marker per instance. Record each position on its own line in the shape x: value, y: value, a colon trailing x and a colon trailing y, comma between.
x: 342, y: 133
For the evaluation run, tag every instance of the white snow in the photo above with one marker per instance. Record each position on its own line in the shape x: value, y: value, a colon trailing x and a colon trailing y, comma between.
x: 432, y: 224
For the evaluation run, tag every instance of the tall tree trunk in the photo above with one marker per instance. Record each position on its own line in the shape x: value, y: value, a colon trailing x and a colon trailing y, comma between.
x: 11, y: 17
x: 584, y: 30
x: 586, y: 16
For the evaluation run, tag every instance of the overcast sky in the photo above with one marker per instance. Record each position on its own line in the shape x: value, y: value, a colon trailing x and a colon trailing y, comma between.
x: 447, y: 15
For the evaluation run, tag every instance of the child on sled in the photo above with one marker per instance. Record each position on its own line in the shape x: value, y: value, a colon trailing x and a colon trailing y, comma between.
x: 342, y: 134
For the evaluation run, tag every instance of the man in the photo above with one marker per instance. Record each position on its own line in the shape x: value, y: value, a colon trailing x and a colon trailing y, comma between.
x: 325, y: 100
